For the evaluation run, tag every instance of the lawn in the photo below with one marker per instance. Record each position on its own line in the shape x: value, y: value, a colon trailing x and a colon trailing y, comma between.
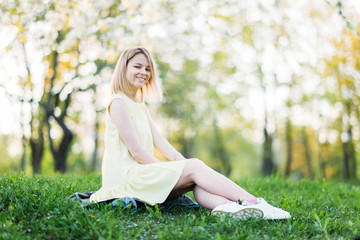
x: 38, y: 208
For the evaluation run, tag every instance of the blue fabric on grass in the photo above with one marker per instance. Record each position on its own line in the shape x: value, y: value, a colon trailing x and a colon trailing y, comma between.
x: 182, y: 200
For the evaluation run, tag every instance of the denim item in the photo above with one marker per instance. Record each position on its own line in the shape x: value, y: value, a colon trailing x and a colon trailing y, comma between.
x: 182, y: 200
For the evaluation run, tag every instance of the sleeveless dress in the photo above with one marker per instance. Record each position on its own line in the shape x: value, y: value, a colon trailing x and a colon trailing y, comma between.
x: 122, y: 175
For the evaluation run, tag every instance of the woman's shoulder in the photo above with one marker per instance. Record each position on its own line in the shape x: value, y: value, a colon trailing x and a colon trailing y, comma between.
x: 116, y: 96
x: 123, y: 96
x: 131, y: 104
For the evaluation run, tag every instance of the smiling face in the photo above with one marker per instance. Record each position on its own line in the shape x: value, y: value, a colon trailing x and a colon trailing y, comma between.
x: 135, y: 76
x: 138, y: 71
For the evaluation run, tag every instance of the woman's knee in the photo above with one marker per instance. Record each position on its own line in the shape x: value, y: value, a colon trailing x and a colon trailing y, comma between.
x: 193, y: 167
x: 194, y: 162
x: 188, y: 174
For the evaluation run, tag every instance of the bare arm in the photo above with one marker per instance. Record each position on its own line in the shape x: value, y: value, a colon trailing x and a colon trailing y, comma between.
x: 162, y: 144
x: 121, y: 117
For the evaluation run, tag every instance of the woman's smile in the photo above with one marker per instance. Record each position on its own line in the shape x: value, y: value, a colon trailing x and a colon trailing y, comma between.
x: 138, y: 71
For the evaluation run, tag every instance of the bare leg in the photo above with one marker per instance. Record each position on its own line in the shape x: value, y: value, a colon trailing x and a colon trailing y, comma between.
x: 206, y: 199
x: 210, y: 182
x: 179, y: 191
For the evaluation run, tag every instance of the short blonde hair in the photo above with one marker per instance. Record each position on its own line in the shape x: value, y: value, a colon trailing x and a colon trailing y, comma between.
x: 151, y: 92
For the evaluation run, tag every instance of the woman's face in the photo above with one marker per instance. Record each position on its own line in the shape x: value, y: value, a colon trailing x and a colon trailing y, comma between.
x: 138, y: 71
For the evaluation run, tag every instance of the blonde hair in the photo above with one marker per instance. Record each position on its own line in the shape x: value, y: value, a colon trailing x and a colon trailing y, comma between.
x: 151, y: 92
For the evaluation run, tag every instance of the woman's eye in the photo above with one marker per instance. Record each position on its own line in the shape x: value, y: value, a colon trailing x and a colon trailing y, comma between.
x: 148, y: 70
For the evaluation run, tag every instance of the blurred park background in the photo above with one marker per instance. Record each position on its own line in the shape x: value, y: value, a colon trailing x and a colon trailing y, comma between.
x: 252, y: 88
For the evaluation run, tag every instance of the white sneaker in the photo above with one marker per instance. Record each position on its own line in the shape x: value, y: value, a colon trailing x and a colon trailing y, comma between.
x: 270, y: 212
x: 237, y: 211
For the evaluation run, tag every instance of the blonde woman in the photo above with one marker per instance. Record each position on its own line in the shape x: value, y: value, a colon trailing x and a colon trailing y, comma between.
x: 129, y: 167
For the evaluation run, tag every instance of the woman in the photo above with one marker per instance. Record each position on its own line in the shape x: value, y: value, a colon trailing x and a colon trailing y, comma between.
x: 129, y: 167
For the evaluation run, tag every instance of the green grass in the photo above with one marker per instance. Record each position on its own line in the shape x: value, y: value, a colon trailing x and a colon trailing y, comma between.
x: 38, y: 208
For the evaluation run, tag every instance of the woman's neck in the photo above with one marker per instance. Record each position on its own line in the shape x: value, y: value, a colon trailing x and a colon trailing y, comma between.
x: 132, y: 94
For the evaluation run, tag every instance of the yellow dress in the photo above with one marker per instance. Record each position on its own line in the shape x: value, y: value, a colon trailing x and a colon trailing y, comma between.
x: 122, y: 175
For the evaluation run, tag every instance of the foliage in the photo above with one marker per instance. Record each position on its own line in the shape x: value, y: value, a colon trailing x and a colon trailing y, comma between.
x: 37, y: 208
x: 7, y: 162
x: 243, y: 156
x: 282, y: 66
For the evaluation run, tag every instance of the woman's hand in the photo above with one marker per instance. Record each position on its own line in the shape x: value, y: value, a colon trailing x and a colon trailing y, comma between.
x: 196, y: 159
x: 178, y: 157
x: 120, y: 115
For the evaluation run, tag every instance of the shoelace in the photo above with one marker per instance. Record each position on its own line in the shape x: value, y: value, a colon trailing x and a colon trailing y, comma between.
x: 246, y: 203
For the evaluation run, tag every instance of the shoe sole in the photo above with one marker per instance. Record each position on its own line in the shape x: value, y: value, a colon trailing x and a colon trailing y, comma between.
x: 278, y: 217
x: 242, y: 214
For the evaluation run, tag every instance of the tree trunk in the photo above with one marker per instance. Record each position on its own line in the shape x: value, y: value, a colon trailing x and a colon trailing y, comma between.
x: 23, y: 139
x: 349, y: 158
x: 60, y: 155
x: 36, y: 139
x: 187, y: 145
x: 53, y: 101
x: 352, y: 163
x: 23, y: 159
x: 307, y: 152
x: 220, y: 150
x: 37, y: 150
x: 96, y: 143
x: 268, y: 165
x: 345, y: 162
x: 289, y: 142
x: 323, y: 158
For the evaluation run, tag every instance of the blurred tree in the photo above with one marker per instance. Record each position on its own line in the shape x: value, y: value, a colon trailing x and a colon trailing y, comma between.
x: 8, y: 162
x: 180, y: 103
x: 254, y: 33
x: 219, y: 106
x: 63, y: 45
x: 344, y: 66
x: 53, y: 102
x: 94, y: 158
x: 268, y: 166
x: 220, y: 149
x: 307, y: 152
x: 289, y: 140
x: 226, y: 69
x: 19, y: 18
